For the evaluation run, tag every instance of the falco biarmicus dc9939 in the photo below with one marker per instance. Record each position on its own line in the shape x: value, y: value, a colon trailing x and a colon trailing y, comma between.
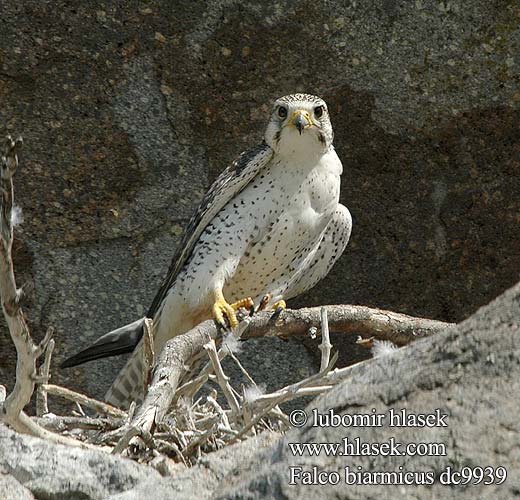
x: 270, y: 224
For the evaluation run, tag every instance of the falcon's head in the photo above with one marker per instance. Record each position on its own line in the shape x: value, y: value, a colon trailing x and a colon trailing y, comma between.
x: 299, y: 123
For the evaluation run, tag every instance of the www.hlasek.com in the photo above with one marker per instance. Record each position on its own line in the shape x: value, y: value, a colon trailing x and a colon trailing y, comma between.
x: 356, y: 447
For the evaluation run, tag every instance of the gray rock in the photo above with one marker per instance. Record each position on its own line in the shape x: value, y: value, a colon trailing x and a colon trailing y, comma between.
x: 471, y: 374
x: 57, y: 472
x: 201, y: 480
x: 11, y: 489
x: 130, y: 111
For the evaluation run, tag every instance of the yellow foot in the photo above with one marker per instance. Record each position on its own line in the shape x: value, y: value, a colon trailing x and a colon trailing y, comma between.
x: 221, y: 309
x: 279, y: 305
x: 246, y: 303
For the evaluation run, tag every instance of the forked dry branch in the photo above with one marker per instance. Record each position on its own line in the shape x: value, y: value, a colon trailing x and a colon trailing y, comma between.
x: 12, y: 408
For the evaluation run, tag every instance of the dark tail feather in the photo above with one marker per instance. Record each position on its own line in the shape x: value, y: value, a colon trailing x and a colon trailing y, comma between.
x: 120, y: 341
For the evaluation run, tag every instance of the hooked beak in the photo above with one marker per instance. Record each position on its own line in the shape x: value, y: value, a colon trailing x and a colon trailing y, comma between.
x: 301, y: 120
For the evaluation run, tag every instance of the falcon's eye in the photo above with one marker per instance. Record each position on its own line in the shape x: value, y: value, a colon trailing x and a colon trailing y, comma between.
x: 318, y: 111
x: 282, y: 112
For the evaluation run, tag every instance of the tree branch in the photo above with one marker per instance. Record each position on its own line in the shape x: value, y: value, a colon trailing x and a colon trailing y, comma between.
x: 81, y: 399
x: 42, y: 406
x: 400, y: 329
x: 27, y: 352
x: 170, y: 367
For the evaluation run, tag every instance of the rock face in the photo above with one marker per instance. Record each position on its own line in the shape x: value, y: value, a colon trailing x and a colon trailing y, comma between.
x: 203, y: 479
x: 60, y: 472
x: 468, y: 376
x: 129, y: 111
x: 12, y: 489
x: 32, y: 468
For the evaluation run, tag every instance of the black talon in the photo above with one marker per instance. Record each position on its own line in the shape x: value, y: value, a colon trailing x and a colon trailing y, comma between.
x: 220, y: 327
x: 276, y: 314
x: 263, y: 303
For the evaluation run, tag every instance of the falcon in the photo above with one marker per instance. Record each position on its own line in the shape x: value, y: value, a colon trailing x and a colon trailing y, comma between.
x: 270, y: 224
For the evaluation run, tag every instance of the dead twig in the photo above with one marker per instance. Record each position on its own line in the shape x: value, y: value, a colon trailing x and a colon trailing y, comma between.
x: 284, y: 395
x: 170, y: 367
x: 148, y: 352
x: 325, y: 345
x: 62, y: 424
x: 81, y: 399
x: 190, y: 388
x: 222, y: 378
x: 42, y: 406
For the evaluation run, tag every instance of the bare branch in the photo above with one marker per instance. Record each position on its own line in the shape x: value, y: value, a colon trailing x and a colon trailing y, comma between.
x: 148, y: 352
x: 193, y: 386
x: 61, y: 424
x: 77, y: 397
x: 42, y: 406
x: 170, y: 367
x: 283, y: 396
x: 400, y: 329
x: 220, y: 412
x: 25, y: 349
x: 222, y: 378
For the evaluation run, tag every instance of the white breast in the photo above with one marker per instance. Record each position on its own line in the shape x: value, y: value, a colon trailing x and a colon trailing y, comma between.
x: 291, y: 205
